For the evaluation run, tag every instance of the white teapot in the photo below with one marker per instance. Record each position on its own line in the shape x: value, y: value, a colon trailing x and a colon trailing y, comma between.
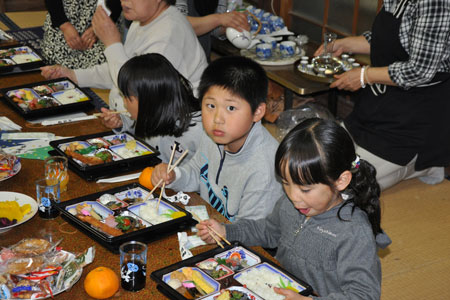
x: 242, y: 40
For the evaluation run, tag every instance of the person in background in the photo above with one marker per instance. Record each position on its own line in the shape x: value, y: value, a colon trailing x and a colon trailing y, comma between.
x: 162, y: 105
x: 157, y: 27
x: 400, y: 119
x: 210, y: 17
x: 233, y: 167
x: 327, y: 226
x: 69, y: 39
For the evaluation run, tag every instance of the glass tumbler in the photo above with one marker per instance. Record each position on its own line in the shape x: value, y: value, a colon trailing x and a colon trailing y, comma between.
x: 133, y: 265
x: 56, y: 171
x: 47, y: 196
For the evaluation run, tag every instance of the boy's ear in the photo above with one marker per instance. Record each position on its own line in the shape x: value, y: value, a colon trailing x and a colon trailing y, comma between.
x: 259, y: 112
x: 344, y: 180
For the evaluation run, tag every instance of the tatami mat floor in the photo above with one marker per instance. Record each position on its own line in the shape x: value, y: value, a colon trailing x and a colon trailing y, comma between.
x: 415, y: 215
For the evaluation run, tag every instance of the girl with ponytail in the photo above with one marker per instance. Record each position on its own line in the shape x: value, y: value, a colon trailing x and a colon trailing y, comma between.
x: 327, y: 226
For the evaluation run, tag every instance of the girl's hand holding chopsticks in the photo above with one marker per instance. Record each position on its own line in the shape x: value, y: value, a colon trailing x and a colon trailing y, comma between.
x: 208, y: 229
x: 110, y: 118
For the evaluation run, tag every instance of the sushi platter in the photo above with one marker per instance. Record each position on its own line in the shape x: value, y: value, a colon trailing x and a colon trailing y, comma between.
x: 18, y: 59
x: 124, y: 213
x: 234, y: 272
x: 105, y: 154
x: 46, y: 98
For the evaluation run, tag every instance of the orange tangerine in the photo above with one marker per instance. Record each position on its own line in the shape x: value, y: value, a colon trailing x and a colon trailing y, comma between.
x: 101, y: 283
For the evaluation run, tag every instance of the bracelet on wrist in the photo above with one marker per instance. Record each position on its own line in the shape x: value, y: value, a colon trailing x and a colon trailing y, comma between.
x: 361, y: 77
x: 366, y: 76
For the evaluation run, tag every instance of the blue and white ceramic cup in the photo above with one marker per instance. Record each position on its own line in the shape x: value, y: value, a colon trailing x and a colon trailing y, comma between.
x: 263, y: 51
x: 254, y: 25
x: 270, y: 40
x: 265, y: 28
x: 251, y: 9
x: 276, y: 23
x: 258, y: 13
x: 287, y: 48
x: 266, y: 17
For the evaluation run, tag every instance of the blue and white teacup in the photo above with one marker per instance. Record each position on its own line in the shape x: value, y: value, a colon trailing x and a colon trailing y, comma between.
x: 266, y: 17
x: 258, y: 13
x: 269, y: 40
x: 276, y: 23
x: 254, y: 25
x: 251, y: 9
x: 287, y: 48
x: 265, y: 28
x: 263, y: 51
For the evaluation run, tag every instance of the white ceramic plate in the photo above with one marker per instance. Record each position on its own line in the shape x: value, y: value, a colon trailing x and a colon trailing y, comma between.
x: 16, y: 169
x: 21, y: 199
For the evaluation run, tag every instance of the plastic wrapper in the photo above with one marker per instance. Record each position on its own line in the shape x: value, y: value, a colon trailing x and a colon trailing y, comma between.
x: 288, y: 119
x: 37, y: 269
x: 7, y: 163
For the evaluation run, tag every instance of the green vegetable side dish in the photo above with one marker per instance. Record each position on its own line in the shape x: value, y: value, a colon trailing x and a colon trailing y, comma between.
x: 125, y: 223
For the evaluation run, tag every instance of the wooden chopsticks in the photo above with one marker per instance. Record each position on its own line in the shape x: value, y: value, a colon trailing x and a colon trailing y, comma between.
x: 168, y: 171
x: 161, y: 180
x: 213, y: 233
x: 111, y: 112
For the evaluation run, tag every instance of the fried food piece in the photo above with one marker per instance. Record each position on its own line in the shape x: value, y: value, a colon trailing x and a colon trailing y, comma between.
x: 101, y: 226
x: 31, y: 246
x: 89, y: 160
x: 24, y: 265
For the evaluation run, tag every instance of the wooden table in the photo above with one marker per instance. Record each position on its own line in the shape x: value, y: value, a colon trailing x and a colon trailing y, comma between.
x: 161, y: 253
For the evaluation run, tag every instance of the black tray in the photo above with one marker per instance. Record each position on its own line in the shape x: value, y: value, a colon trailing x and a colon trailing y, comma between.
x: 23, y: 67
x: 36, y: 113
x: 146, y: 235
x: 113, y: 168
x: 228, y: 281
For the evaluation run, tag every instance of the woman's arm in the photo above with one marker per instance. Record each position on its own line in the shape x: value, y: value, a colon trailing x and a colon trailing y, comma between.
x: 353, y: 44
x: 208, y: 23
x: 55, y: 9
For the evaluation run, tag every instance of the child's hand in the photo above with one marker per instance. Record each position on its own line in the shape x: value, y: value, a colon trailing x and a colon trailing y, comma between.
x: 203, y: 232
x: 160, y: 172
x: 290, y: 295
x: 109, y: 119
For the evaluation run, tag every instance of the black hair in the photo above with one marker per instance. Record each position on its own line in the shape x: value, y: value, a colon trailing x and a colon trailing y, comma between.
x: 318, y: 151
x: 170, y: 2
x: 166, y: 100
x: 240, y: 76
x: 205, y: 7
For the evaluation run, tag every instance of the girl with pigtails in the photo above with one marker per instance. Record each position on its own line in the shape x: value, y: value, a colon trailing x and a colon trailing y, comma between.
x: 327, y: 226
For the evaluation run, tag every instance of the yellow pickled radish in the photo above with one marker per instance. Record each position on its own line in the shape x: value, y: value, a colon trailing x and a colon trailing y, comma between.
x: 177, y: 214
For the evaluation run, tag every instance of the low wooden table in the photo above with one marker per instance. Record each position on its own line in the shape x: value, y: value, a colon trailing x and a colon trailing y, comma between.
x: 161, y: 253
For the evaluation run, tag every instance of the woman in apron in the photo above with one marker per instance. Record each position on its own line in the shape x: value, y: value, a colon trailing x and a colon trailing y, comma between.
x: 402, y: 107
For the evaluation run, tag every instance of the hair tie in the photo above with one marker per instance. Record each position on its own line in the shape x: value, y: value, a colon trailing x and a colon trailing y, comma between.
x: 356, y: 162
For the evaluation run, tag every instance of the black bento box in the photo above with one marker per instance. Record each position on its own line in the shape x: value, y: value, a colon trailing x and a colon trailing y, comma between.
x: 19, y: 58
x: 230, y: 275
x: 115, y: 145
x: 151, y: 232
x: 46, y: 98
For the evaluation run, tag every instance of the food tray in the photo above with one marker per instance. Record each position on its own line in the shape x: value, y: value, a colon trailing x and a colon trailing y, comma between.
x: 19, y: 58
x: 276, y: 59
x: 230, y: 280
x: 46, y: 98
x: 145, y: 155
x: 150, y: 232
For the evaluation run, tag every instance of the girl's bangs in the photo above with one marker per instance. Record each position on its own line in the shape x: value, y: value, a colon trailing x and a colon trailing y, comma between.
x: 304, y: 165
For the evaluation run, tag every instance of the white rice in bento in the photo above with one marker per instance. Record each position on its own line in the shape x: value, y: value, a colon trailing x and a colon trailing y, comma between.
x: 149, y: 213
x: 261, y: 281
